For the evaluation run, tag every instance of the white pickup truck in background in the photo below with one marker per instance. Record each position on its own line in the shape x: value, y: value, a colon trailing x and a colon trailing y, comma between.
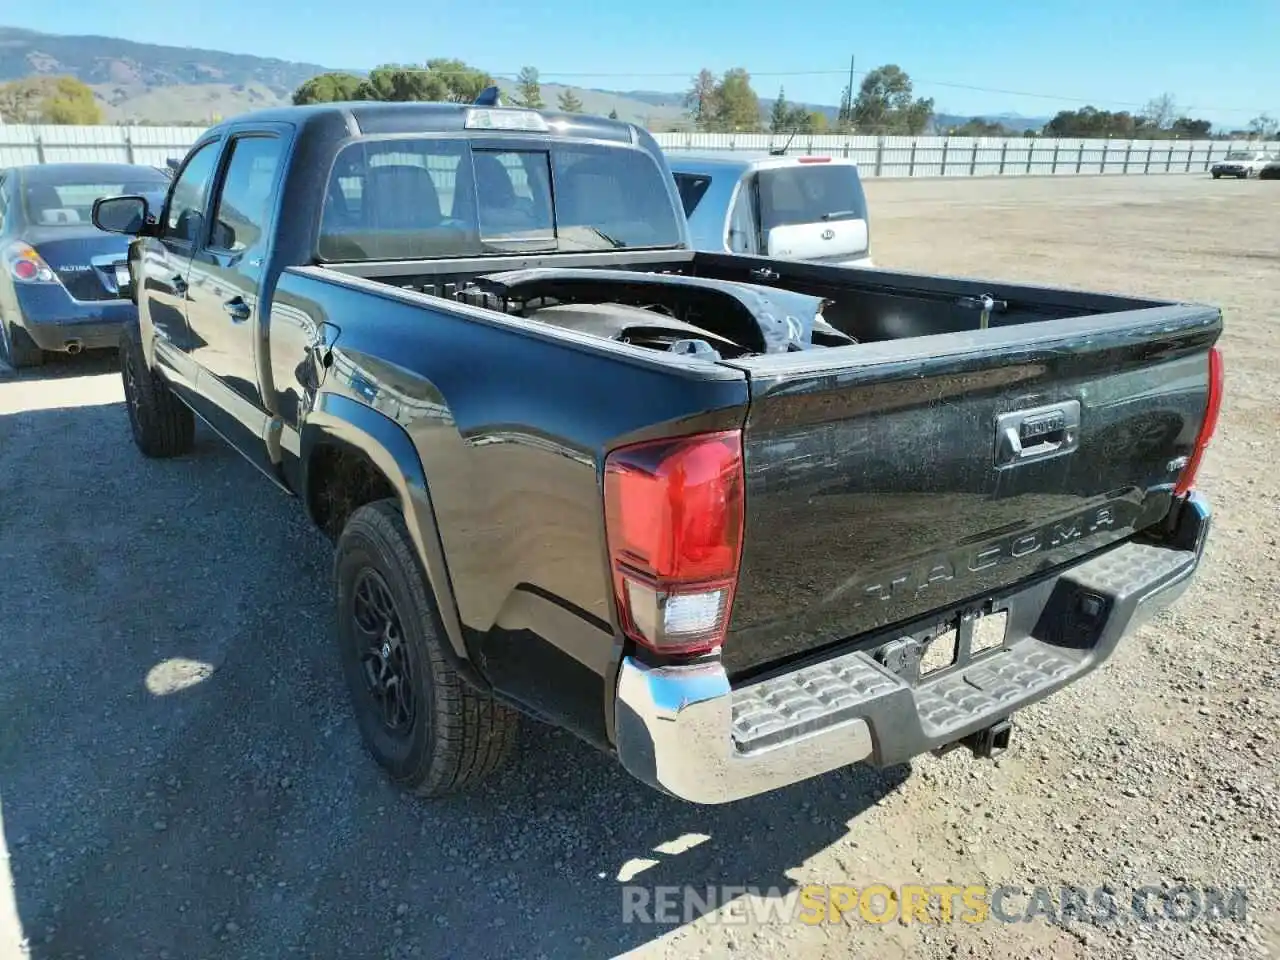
x: 809, y: 208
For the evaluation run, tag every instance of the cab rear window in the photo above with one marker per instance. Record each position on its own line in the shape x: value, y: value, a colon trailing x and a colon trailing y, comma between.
x: 430, y: 198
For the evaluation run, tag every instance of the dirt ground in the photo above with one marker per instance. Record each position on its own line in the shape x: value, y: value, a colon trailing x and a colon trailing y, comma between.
x: 180, y: 776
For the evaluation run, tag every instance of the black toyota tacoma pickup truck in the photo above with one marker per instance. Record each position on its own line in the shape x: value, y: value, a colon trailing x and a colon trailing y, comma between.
x: 738, y: 521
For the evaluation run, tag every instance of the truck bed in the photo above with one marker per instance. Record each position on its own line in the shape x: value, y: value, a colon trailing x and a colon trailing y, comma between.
x: 880, y: 485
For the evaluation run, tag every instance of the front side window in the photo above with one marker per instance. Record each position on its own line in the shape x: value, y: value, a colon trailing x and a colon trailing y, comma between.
x: 190, y: 193
x: 427, y: 198
x: 242, y: 211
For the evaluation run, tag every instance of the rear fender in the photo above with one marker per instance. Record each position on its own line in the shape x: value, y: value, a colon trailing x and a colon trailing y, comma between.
x: 346, y: 422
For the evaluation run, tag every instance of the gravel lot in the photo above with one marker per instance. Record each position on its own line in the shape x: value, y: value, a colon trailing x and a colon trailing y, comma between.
x: 179, y: 776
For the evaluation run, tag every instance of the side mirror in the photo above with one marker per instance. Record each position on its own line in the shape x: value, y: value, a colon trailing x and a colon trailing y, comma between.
x: 121, y: 214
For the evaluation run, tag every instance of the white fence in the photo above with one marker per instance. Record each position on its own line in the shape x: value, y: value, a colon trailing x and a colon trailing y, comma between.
x: 877, y: 156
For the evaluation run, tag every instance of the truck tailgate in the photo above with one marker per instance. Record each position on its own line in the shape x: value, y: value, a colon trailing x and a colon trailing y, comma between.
x: 890, y: 480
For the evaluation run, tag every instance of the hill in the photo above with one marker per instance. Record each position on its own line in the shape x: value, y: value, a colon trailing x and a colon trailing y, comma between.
x: 163, y: 84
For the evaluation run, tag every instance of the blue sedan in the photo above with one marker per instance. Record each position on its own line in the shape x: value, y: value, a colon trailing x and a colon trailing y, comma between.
x: 59, y: 281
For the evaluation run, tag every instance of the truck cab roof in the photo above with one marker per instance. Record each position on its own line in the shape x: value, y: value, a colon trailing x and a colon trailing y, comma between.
x: 372, y: 118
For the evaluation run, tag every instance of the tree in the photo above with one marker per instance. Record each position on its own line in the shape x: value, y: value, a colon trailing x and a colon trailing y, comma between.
x: 737, y: 106
x: 399, y: 82
x: 1264, y: 126
x: 1160, y: 112
x: 61, y: 100
x: 462, y: 82
x: 979, y: 127
x: 844, y: 116
x: 328, y: 88
x: 884, y: 104
x: 1191, y: 129
x: 569, y: 101
x: 528, y: 89
x: 700, y: 99
x: 778, y: 116
x: 20, y: 100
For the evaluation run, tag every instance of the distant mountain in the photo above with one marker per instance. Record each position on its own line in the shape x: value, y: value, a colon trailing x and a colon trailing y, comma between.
x: 164, y: 84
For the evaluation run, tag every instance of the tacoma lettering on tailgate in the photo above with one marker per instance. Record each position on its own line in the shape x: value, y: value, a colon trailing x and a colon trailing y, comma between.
x: 944, y: 568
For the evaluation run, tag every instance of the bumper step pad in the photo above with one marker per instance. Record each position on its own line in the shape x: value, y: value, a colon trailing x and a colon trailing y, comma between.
x: 907, y: 720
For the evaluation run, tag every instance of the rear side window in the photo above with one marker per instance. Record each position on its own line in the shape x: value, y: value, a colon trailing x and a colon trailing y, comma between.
x: 692, y: 187
x: 426, y: 198
x: 810, y: 193
x: 399, y: 199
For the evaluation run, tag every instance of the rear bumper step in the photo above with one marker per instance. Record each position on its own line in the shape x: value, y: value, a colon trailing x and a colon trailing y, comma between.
x: 686, y: 730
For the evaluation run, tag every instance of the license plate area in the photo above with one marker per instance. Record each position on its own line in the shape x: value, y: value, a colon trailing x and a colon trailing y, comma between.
x: 950, y: 645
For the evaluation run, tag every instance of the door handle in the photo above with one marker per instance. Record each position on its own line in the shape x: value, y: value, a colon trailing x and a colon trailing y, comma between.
x: 237, y: 308
x: 765, y: 273
x: 1037, y: 433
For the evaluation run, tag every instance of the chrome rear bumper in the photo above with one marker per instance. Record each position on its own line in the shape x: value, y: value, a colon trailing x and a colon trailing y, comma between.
x: 687, y: 731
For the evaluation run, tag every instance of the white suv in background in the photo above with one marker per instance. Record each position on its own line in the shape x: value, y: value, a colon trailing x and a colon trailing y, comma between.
x: 791, y: 207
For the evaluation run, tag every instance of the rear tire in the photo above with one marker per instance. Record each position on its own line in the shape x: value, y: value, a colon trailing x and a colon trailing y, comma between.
x: 162, y: 425
x: 20, y: 350
x: 427, y: 727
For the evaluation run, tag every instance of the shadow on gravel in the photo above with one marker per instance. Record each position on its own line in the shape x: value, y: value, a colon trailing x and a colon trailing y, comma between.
x: 58, y: 366
x: 234, y: 813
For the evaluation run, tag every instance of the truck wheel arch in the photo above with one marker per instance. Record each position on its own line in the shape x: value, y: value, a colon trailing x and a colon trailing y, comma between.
x: 368, y: 456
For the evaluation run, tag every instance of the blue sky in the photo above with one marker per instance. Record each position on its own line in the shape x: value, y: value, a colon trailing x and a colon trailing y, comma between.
x: 1219, y: 59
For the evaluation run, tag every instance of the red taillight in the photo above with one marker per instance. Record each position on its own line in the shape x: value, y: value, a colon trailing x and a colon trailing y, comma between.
x: 25, y: 264
x: 673, y: 518
x: 814, y: 159
x: 1187, y: 479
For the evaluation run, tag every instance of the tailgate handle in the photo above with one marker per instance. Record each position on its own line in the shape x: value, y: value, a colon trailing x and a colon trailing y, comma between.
x: 1038, y: 433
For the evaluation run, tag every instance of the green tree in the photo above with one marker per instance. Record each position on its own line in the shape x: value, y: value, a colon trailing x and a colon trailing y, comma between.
x: 885, y: 105
x: 328, y: 88
x: 569, y: 101
x: 700, y: 100
x: 60, y: 100
x: 71, y: 102
x: 401, y: 82
x: 779, y: 116
x: 528, y: 89
x: 462, y: 82
x: 1191, y: 129
x: 737, y: 106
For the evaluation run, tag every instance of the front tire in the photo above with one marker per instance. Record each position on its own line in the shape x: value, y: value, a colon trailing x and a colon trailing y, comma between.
x: 427, y: 727
x: 162, y: 425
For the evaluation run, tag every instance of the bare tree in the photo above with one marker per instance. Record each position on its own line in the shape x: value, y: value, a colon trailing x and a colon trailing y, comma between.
x: 1161, y: 111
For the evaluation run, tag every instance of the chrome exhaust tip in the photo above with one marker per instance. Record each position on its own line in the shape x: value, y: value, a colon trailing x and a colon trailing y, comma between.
x: 73, y: 347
